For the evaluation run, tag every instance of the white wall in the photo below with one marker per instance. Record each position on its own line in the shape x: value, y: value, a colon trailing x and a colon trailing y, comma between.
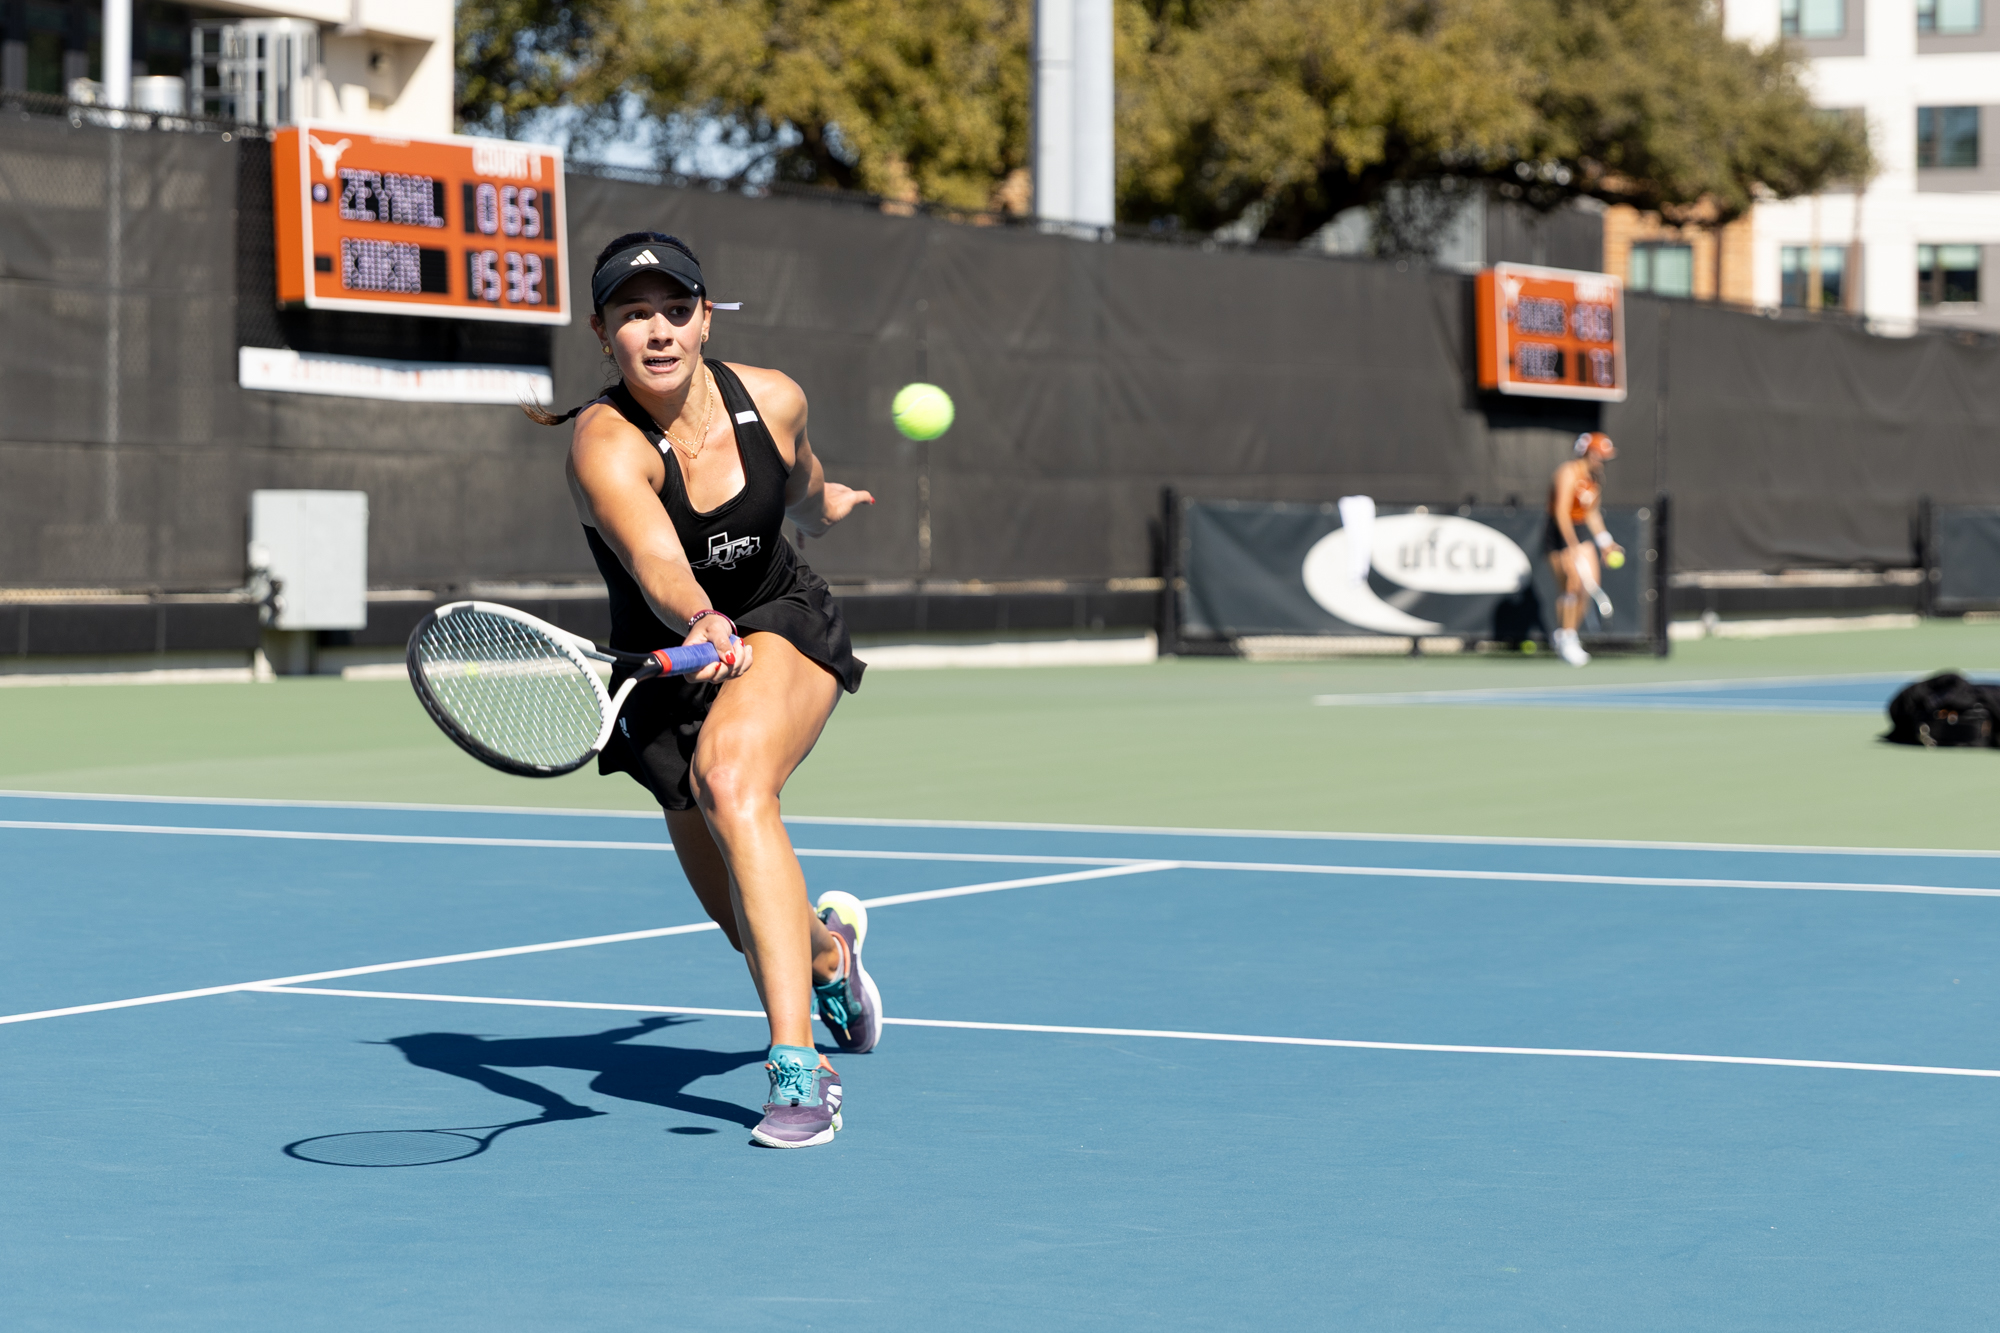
x: 387, y: 63
x: 1889, y: 81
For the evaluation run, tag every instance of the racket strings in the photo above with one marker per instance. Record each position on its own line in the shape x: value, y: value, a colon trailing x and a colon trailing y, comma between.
x: 510, y: 688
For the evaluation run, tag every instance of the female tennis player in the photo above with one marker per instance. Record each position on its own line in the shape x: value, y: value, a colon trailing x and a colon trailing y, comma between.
x: 684, y: 473
x: 1577, y: 496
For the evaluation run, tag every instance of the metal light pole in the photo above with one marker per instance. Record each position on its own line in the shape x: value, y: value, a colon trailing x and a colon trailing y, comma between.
x: 117, y: 53
x: 1074, y: 147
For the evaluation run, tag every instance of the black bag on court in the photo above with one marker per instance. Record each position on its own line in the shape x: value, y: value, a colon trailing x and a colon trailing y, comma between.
x: 1947, y: 709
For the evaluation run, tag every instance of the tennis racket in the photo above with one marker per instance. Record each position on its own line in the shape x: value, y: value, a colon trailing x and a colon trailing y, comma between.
x: 519, y: 694
x: 402, y: 1147
x: 1596, y: 593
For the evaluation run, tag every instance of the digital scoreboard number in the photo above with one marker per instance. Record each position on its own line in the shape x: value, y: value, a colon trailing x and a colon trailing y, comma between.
x: 455, y: 227
x: 1551, y: 332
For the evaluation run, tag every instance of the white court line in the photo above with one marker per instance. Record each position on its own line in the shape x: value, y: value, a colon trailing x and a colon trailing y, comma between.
x: 525, y: 1003
x: 1107, y: 872
x: 168, y: 996
x: 1616, y: 881
x: 559, y: 844
x: 1447, y: 839
x: 518, y: 949
x: 1270, y: 867
x: 317, y: 835
x: 1533, y: 693
x: 1170, y: 1034
x: 528, y: 1004
x: 855, y: 821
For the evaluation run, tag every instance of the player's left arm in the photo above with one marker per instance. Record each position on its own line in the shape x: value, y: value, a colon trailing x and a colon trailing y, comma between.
x: 811, y: 501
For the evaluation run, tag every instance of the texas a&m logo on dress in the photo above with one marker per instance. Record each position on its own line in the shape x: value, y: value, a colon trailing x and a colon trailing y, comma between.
x: 724, y: 553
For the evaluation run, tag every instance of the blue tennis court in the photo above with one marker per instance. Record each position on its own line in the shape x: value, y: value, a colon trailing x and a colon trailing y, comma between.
x: 1185, y: 1079
x: 1790, y: 694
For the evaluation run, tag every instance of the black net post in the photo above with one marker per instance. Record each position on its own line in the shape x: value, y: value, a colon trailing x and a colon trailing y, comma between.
x: 1662, y: 574
x: 1170, y: 573
x: 1927, y: 558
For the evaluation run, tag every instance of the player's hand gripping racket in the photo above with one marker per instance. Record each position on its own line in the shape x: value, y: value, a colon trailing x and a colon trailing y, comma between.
x: 518, y: 693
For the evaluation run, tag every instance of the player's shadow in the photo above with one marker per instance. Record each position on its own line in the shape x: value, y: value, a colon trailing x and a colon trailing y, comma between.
x: 658, y: 1075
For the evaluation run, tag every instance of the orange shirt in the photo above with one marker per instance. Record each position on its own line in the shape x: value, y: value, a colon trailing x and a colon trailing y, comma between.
x: 1584, y: 498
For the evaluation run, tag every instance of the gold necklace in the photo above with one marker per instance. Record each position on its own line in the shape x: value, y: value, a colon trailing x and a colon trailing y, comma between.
x: 707, y: 417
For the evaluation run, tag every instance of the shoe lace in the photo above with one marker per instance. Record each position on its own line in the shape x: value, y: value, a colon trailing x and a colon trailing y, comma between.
x: 793, y: 1081
x: 834, y: 1001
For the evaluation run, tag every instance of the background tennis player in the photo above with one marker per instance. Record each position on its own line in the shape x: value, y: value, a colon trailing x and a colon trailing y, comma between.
x: 1576, y: 497
x: 684, y: 473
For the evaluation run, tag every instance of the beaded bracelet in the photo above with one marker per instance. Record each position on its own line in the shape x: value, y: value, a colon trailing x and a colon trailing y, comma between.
x: 712, y: 612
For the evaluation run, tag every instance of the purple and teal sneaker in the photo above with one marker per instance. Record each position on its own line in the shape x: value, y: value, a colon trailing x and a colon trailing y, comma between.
x: 804, y: 1109
x: 849, y: 1005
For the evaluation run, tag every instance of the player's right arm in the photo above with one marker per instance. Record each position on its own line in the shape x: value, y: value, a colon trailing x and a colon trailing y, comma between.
x: 615, y: 479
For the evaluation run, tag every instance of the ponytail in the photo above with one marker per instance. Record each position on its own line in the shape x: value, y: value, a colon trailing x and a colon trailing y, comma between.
x: 541, y: 416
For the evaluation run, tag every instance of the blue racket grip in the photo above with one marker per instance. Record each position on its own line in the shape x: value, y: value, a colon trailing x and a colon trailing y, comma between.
x: 687, y: 660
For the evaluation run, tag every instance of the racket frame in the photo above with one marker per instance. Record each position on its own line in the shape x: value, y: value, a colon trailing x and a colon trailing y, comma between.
x: 1597, y: 594
x: 580, y: 651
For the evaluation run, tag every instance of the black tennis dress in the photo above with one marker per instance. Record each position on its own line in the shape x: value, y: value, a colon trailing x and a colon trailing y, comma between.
x: 751, y: 574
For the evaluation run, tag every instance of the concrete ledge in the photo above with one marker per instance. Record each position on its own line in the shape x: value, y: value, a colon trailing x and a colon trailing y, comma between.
x: 1305, y: 647
x: 1021, y: 653
x: 1682, y: 630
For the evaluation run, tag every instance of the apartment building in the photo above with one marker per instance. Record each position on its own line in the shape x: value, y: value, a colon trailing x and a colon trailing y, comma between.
x: 369, y: 63
x: 1919, y: 244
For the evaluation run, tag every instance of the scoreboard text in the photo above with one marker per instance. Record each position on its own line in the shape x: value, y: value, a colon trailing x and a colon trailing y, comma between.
x: 1551, y: 332
x: 458, y: 227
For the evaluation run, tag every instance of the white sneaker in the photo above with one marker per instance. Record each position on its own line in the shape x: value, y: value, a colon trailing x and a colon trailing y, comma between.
x: 1569, y: 648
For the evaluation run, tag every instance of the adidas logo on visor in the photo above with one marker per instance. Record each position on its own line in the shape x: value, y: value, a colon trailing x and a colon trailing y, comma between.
x: 645, y: 257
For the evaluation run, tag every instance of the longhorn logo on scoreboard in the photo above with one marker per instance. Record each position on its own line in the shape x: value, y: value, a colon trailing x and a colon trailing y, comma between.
x: 456, y: 227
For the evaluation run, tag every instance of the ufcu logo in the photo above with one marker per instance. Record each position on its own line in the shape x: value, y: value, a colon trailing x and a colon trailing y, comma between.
x: 1430, y: 553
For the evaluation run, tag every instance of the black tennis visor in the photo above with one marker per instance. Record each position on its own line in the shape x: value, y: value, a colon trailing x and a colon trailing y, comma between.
x: 646, y: 257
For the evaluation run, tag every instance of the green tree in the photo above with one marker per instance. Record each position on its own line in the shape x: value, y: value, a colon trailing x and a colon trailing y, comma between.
x: 520, y: 57
x: 1278, y: 113
x: 1289, y: 111
x: 911, y: 101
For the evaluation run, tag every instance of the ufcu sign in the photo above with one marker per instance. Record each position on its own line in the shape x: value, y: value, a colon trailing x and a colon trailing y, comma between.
x: 1261, y: 567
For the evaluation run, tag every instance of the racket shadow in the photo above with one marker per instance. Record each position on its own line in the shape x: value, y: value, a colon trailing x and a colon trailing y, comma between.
x: 652, y: 1075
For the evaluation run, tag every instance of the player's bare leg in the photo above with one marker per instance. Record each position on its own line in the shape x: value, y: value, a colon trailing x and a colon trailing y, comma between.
x: 1569, y: 605
x: 762, y: 725
x: 708, y: 873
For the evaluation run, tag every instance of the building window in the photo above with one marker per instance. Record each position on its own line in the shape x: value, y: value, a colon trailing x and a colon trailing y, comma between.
x: 1947, y: 136
x: 1663, y: 268
x: 1947, y: 274
x: 1796, y: 266
x: 1948, y: 17
x: 1815, y: 18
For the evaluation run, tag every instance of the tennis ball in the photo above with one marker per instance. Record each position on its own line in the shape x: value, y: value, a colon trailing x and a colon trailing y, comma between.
x: 1529, y: 648
x: 922, y: 411
x: 1614, y: 559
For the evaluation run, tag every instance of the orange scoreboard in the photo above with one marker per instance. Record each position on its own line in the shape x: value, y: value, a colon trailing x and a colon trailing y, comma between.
x: 1551, y: 332
x: 456, y: 227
